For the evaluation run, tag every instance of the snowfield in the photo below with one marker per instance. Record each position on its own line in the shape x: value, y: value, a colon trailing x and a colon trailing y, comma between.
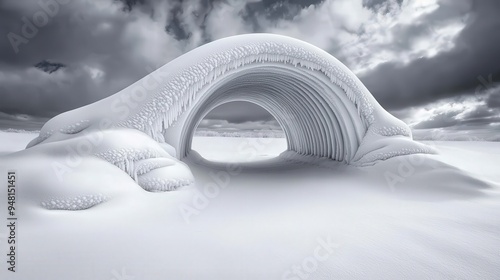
x: 409, y: 217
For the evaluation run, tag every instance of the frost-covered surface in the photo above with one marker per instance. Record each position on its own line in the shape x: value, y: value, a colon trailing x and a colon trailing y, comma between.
x: 324, y: 109
x: 74, y: 203
x: 162, y: 185
x: 76, y: 127
x: 392, y: 131
x: 142, y: 165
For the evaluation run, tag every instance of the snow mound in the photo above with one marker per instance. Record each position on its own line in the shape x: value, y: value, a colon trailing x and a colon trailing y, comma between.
x: 79, y: 171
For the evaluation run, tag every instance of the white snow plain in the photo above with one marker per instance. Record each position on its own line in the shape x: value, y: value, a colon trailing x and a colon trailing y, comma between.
x: 409, y: 217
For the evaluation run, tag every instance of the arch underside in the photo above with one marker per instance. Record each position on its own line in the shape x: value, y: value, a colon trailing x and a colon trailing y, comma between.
x: 317, y: 117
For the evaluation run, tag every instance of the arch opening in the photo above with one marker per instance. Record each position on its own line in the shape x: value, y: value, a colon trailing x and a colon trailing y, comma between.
x: 238, y: 131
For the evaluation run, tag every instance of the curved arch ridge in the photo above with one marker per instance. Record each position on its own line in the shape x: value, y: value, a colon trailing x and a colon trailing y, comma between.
x: 322, y: 106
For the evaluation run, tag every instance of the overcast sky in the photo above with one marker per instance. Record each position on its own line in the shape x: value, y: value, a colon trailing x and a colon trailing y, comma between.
x: 434, y: 64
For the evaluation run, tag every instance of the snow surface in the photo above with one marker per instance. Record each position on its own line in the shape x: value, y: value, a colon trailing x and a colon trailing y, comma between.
x: 242, y: 149
x: 261, y: 220
x: 15, y: 140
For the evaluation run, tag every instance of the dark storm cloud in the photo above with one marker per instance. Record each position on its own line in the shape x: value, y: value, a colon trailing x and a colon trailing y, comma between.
x: 49, y: 67
x: 104, y: 50
x: 438, y: 121
x: 452, y: 73
x: 23, y: 122
x: 376, y: 3
x: 493, y: 100
x: 175, y: 26
x: 274, y: 10
x: 466, y: 113
x: 83, y: 40
x: 129, y: 4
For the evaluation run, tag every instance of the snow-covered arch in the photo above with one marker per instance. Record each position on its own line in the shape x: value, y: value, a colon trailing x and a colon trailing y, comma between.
x: 323, y: 107
x: 316, y: 122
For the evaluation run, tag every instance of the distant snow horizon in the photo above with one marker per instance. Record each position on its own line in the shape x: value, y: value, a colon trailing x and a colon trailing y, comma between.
x: 21, y: 123
x: 418, y: 134
x: 214, y: 127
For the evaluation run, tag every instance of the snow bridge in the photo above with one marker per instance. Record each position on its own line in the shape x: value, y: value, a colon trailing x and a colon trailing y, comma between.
x: 323, y: 108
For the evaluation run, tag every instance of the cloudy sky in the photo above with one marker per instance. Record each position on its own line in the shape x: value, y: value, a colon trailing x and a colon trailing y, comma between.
x: 433, y: 63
